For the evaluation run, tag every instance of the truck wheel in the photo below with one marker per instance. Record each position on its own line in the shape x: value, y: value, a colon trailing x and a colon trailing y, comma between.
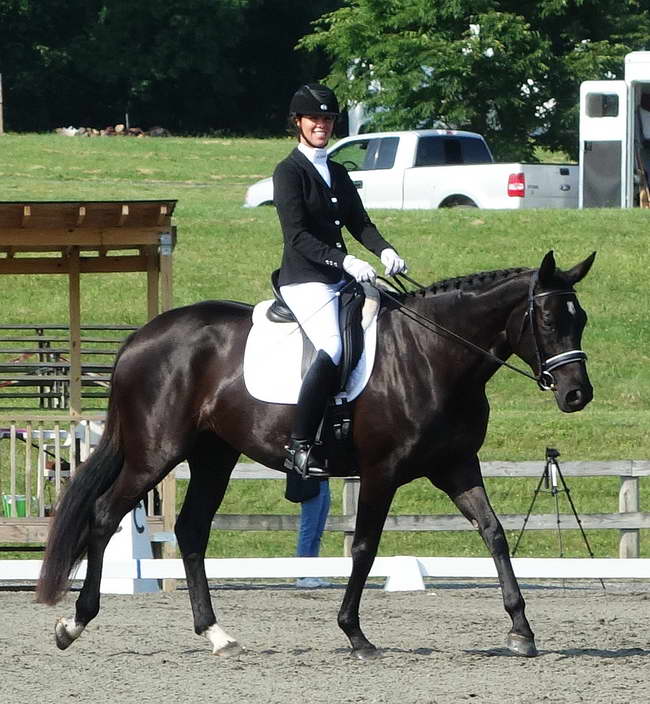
x: 458, y: 202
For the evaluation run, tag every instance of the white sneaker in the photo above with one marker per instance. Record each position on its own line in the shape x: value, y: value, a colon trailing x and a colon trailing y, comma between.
x: 311, y: 583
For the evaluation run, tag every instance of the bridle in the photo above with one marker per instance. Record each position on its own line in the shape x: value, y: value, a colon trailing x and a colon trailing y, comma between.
x: 544, y: 379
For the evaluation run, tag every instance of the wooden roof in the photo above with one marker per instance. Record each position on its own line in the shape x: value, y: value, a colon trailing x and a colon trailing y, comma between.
x: 80, y: 237
x: 54, y: 225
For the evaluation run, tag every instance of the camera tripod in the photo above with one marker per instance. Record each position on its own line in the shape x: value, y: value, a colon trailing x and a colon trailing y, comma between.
x: 553, y: 481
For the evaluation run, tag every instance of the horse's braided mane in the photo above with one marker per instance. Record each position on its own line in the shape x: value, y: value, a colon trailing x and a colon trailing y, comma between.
x: 470, y: 282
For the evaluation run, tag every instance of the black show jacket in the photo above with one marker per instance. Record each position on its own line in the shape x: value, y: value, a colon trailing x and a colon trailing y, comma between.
x: 312, y: 216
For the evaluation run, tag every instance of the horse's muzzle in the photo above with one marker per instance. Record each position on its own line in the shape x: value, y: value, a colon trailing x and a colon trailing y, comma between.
x: 575, y: 398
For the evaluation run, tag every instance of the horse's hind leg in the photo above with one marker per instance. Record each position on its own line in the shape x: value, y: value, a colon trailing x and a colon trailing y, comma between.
x: 464, y: 485
x: 211, y: 462
x: 109, y: 510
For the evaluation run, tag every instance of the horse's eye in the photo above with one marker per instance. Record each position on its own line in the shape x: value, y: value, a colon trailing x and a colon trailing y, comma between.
x: 548, y: 320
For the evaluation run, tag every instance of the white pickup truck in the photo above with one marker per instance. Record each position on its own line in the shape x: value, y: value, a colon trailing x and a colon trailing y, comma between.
x: 423, y: 169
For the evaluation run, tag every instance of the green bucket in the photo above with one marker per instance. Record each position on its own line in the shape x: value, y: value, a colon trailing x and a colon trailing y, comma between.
x: 8, y: 500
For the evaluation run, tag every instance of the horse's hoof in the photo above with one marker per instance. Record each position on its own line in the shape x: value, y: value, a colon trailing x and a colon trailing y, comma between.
x: 521, y: 645
x: 229, y: 650
x: 65, y: 634
x: 370, y: 653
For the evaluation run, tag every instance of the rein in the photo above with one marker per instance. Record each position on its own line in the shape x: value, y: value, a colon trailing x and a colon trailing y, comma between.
x: 544, y: 379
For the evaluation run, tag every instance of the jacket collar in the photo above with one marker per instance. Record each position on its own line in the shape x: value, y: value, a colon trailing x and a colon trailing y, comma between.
x: 304, y: 163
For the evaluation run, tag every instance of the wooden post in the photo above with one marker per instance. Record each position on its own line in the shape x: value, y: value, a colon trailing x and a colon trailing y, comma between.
x: 75, y: 332
x: 628, y: 502
x: 57, y: 459
x: 28, y: 470
x: 168, y: 485
x: 40, y: 467
x: 166, y: 292
x: 153, y: 283
x: 12, y: 468
x: 350, y: 503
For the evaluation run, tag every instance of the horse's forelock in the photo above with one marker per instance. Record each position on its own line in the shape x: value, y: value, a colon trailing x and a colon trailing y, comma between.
x: 560, y: 280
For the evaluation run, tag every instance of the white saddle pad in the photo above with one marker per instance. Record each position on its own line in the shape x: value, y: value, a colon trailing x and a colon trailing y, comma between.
x: 273, y: 356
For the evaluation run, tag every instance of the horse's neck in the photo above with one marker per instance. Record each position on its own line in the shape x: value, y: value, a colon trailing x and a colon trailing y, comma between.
x: 480, y: 315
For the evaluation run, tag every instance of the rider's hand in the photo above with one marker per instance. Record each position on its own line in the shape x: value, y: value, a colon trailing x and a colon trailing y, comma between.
x: 393, y: 262
x: 358, y: 269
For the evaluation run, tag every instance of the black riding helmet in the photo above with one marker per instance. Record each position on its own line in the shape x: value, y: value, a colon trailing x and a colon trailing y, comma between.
x: 314, y: 99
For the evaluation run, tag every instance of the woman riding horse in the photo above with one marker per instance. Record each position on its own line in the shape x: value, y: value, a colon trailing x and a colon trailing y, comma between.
x: 178, y: 393
x: 315, y: 198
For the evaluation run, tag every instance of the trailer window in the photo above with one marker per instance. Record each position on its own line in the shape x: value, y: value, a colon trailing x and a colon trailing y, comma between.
x: 440, y: 151
x: 602, y: 105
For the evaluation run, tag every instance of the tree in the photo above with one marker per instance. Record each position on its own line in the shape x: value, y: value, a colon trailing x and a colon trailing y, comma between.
x: 509, y: 70
x: 189, y: 65
x: 167, y: 63
x: 270, y: 69
x: 38, y: 44
x: 88, y: 62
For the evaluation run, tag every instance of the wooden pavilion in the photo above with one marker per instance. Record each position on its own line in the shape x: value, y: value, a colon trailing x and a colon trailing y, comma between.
x: 73, y: 238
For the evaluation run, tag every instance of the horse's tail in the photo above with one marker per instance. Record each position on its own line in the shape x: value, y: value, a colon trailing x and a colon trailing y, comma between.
x: 68, y: 535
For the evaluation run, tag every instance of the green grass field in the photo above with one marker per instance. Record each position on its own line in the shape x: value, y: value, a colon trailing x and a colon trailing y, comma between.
x: 226, y: 251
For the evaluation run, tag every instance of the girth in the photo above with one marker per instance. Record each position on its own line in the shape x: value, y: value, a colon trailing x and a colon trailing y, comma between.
x: 351, y: 300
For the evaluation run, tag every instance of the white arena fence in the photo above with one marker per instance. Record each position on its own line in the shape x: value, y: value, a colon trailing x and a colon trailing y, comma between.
x: 42, y: 452
x: 402, y: 573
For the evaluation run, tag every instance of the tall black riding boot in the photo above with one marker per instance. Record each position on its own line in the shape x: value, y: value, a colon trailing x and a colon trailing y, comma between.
x: 317, y: 385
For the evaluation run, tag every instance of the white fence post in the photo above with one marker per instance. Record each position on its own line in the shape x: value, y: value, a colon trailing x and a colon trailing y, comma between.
x: 628, y: 502
x: 350, y: 504
x: 131, y: 541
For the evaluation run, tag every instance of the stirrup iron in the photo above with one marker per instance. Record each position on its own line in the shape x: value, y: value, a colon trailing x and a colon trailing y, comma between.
x: 298, y: 459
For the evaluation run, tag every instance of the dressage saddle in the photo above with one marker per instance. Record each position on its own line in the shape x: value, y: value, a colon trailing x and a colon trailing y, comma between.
x: 350, y: 309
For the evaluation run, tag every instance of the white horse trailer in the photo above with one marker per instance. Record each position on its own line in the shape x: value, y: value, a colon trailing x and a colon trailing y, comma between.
x: 614, y: 157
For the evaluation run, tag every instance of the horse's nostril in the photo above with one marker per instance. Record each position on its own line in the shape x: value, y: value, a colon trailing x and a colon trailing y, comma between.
x: 574, y: 397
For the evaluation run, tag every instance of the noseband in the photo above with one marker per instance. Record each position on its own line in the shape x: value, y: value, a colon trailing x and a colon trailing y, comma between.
x: 545, y: 379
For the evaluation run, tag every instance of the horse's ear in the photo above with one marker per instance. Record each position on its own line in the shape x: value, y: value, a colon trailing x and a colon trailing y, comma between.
x: 581, y: 270
x: 547, y: 268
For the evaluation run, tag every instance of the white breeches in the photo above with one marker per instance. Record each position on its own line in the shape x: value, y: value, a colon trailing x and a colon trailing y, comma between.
x: 316, y: 307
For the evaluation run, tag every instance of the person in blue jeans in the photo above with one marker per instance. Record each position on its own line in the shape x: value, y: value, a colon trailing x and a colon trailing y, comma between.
x: 313, y: 514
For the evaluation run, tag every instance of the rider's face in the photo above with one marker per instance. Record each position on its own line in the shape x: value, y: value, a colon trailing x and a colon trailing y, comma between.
x: 315, y: 130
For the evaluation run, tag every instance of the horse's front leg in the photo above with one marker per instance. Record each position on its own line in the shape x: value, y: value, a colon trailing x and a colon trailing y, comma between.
x: 211, y: 464
x: 375, y: 498
x: 464, y: 485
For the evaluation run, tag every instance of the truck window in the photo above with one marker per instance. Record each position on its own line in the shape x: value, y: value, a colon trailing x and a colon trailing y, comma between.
x: 443, y: 150
x: 367, y: 154
x: 381, y: 154
x: 602, y: 105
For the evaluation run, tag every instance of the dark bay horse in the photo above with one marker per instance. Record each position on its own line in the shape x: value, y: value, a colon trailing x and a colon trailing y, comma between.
x: 178, y: 393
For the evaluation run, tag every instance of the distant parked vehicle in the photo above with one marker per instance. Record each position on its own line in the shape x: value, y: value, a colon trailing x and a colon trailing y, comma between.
x: 614, y: 146
x: 422, y: 169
